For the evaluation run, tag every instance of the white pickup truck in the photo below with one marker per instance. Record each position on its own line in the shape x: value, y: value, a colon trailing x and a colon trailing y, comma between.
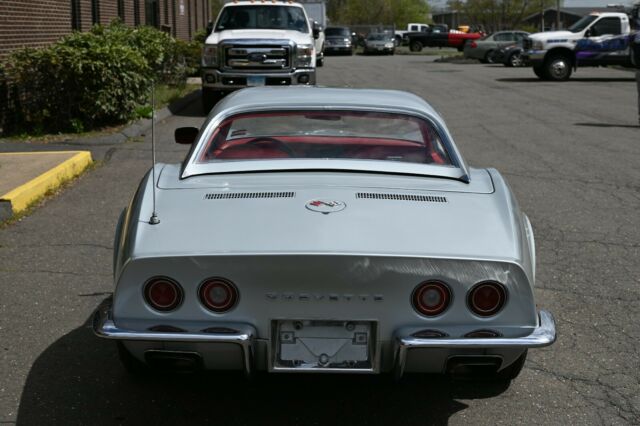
x: 411, y: 28
x: 598, y: 39
x: 257, y: 44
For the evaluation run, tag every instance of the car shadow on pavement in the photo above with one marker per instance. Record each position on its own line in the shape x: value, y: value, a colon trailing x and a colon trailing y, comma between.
x: 193, y: 109
x: 79, y: 380
x: 572, y: 80
x: 627, y: 126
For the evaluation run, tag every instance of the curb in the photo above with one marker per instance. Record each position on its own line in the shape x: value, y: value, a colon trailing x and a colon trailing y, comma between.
x: 140, y: 126
x: 18, y: 199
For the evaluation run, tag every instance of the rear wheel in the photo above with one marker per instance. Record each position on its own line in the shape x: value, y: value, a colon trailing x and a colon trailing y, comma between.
x: 415, y: 46
x: 558, y: 67
x: 488, y: 57
x: 539, y: 71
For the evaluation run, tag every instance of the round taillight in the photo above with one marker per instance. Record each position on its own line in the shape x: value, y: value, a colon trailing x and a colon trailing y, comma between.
x: 163, y: 294
x: 487, y: 298
x: 218, y: 294
x: 431, y: 298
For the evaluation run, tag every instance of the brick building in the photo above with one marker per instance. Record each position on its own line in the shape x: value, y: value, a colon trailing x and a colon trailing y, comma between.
x: 39, y: 22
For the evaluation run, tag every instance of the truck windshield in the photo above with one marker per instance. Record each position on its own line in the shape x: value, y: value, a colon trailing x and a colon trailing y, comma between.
x: 582, y: 23
x: 337, y: 32
x: 272, y: 17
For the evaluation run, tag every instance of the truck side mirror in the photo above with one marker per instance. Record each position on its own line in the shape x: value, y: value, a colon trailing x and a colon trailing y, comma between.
x: 589, y: 33
x: 186, y: 135
x: 316, y: 30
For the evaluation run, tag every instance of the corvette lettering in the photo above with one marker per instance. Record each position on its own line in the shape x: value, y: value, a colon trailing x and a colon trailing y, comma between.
x: 318, y: 297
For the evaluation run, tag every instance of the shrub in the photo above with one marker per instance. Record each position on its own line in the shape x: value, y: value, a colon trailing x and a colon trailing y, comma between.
x: 88, y: 79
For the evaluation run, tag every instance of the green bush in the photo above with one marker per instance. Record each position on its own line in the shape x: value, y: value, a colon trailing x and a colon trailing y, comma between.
x: 88, y: 79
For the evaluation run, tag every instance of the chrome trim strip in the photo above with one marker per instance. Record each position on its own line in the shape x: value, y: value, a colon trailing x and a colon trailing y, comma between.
x: 543, y: 335
x: 104, y: 327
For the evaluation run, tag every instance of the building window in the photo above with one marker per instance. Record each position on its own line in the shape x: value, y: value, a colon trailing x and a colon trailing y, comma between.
x: 136, y: 12
x: 173, y: 18
x: 189, y: 17
x: 76, y: 23
x: 166, y: 12
x: 151, y: 13
x: 121, y: 10
x: 95, y: 11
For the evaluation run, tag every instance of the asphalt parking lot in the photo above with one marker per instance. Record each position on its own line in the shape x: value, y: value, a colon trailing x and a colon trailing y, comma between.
x: 569, y: 150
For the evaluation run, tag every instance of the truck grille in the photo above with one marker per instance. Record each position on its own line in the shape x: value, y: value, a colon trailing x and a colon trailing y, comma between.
x: 257, y: 57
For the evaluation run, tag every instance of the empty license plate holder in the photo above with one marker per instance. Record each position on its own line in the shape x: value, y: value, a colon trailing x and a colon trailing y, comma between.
x: 323, y: 345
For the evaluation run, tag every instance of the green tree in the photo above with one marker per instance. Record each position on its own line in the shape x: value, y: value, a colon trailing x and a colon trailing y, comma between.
x: 385, y: 12
x: 496, y: 15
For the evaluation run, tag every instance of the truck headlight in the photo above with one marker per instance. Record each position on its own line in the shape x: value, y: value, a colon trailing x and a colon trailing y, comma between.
x: 210, y: 55
x: 537, y: 45
x: 304, y: 55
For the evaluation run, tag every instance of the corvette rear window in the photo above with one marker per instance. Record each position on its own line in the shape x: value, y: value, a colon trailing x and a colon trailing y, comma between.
x: 326, y: 135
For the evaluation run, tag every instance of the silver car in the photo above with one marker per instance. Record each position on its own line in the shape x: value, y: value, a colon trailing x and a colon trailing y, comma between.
x: 484, y: 48
x: 379, y: 43
x: 328, y: 231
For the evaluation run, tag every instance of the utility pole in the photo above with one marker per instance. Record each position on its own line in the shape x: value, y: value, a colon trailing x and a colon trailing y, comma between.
x: 557, y: 15
x: 541, y: 15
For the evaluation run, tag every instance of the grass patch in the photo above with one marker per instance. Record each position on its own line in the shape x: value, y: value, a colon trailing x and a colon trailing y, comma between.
x: 164, y: 96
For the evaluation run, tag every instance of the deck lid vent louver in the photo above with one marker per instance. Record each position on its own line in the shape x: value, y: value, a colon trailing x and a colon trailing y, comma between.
x: 402, y: 197
x: 245, y: 195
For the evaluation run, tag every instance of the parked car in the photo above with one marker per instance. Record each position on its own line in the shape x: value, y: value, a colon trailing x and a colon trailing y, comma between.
x: 484, y: 48
x: 509, y: 56
x: 436, y: 37
x: 379, y: 43
x: 324, y: 230
x: 338, y: 40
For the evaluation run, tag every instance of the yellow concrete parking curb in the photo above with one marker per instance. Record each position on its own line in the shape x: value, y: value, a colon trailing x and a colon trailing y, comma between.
x: 22, y: 196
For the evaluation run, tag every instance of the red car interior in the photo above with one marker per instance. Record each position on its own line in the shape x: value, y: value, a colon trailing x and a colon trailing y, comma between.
x: 314, y: 146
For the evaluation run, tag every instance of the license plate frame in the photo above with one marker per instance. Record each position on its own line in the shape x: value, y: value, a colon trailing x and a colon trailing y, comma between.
x: 324, y: 346
x: 256, y: 80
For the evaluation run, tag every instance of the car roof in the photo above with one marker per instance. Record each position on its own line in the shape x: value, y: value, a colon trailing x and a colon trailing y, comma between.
x: 293, y: 98
x: 321, y: 97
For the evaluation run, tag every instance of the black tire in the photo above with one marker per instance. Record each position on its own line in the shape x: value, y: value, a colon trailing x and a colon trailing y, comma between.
x: 488, y: 57
x: 320, y: 62
x: 514, y: 60
x: 131, y: 364
x: 415, y: 46
x: 539, y: 71
x: 558, y: 67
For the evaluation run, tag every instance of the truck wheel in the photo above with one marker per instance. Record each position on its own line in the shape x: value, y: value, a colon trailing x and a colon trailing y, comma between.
x: 415, y: 46
x: 320, y: 62
x: 539, y: 71
x: 210, y: 98
x: 557, y: 68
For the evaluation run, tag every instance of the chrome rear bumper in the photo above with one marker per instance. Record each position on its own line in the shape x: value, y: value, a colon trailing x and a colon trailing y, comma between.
x: 543, y: 335
x: 240, y: 334
x: 245, y: 336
